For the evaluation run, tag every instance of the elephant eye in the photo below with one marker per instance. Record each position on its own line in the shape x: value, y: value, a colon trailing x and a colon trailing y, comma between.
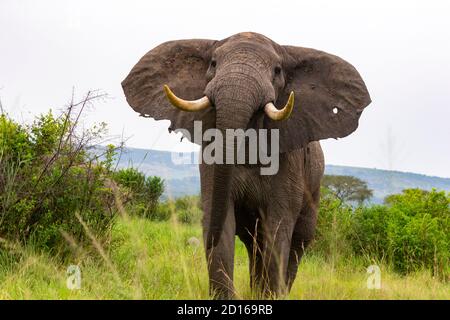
x: 277, y: 70
x: 213, y: 63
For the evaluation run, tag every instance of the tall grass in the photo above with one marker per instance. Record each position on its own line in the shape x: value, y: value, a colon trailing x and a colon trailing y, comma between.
x: 154, y: 260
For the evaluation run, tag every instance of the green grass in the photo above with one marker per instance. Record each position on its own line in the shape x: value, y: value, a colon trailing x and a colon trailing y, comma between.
x: 152, y: 260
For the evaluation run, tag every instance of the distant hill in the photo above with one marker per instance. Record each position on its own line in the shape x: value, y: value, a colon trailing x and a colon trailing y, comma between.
x: 183, y: 179
x: 386, y: 182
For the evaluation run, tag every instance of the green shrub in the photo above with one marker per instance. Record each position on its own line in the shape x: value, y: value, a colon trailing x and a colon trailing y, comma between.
x: 334, y: 225
x: 187, y: 210
x: 131, y: 178
x: 369, y: 237
x: 412, y: 231
x: 49, y: 182
x: 15, y: 146
x: 163, y: 212
x: 143, y: 192
x: 419, y: 230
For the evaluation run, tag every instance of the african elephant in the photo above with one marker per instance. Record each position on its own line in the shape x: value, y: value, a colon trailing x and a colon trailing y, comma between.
x: 241, y: 79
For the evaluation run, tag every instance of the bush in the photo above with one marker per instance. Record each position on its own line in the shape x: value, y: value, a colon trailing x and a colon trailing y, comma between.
x: 334, y: 225
x: 419, y: 230
x: 49, y: 182
x: 412, y: 231
x: 187, y: 210
x: 143, y: 192
x: 369, y: 236
x: 163, y: 211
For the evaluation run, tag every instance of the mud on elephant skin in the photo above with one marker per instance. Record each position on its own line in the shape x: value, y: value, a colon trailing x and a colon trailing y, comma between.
x: 236, y: 83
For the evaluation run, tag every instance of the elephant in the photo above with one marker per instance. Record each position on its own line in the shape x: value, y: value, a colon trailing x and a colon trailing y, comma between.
x: 237, y: 83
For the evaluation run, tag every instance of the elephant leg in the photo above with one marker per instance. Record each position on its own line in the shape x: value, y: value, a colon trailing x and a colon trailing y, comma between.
x: 220, y: 258
x: 278, y: 230
x: 303, y: 235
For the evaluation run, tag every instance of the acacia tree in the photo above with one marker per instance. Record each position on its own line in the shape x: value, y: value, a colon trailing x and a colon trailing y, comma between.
x: 347, y: 188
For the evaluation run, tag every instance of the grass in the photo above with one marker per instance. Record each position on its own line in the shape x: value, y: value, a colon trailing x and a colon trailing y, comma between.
x: 153, y: 260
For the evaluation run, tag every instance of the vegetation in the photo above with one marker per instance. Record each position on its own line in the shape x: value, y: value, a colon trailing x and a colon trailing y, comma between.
x: 57, y: 195
x: 62, y: 204
x: 141, y: 193
x: 347, y: 188
x: 51, y: 190
x: 153, y: 260
x: 410, y: 233
x: 187, y: 209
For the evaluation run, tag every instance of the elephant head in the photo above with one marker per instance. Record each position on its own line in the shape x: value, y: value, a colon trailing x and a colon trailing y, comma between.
x: 236, y: 83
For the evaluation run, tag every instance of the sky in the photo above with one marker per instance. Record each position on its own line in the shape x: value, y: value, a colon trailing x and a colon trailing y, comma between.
x: 401, y: 49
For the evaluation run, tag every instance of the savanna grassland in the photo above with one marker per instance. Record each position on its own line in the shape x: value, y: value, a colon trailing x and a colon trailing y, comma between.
x: 62, y: 205
x: 153, y: 260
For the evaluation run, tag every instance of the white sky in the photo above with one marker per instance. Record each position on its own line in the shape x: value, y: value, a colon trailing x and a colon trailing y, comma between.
x: 401, y: 48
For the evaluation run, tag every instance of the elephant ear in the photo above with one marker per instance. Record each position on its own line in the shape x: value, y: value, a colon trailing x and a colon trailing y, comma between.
x: 330, y: 96
x: 182, y: 65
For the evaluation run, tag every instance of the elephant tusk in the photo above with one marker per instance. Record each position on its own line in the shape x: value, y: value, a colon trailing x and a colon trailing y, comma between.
x: 275, y: 114
x: 186, y: 105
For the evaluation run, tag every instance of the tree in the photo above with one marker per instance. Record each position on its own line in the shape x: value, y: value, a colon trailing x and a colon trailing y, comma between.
x: 144, y: 192
x: 347, y: 188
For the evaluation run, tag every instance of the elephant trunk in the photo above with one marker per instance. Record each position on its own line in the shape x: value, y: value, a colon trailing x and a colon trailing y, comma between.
x: 234, y: 108
x: 220, y: 202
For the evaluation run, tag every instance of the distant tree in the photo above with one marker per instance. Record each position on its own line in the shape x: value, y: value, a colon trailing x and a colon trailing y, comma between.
x: 144, y: 192
x: 347, y: 188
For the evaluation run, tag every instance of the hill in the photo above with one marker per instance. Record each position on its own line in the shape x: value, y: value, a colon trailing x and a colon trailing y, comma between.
x: 183, y: 179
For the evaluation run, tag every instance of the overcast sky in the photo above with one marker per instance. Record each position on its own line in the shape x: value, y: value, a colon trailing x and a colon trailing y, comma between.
x: 401, y: 49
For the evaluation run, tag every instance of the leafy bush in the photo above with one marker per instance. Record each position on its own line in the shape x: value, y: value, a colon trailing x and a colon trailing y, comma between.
x: 369, y: 236
x: 163, y: 211
x: 143, y: 192
x: 334, y: 224
x: 187, y: 209
x: 49, y: 183
x: 419, y: 230
x: 411, y: 231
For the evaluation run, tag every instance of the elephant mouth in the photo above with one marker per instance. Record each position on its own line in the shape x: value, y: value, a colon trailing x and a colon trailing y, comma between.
x: 203, y: 103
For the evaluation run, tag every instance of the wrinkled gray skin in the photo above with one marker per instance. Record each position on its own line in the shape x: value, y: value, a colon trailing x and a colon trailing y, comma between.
x: 275, y: 216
